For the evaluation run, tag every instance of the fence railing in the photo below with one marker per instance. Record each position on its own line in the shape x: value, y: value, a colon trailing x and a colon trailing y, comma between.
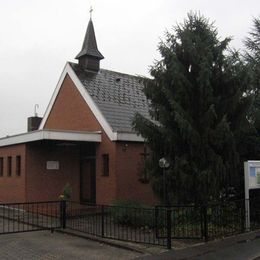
x: 225, y: 219
x: 117, y: 222
x: 151, y: 225
x: 186, y: 222
x: 159, y: 225
x: 255, y: 213
x: 32, y: 216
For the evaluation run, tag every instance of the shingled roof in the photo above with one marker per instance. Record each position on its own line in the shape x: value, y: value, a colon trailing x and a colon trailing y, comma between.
x: 89, y: 47
x: 118, y: 96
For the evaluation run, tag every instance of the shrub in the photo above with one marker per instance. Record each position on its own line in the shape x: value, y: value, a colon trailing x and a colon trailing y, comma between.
x: 66, y: 192
x: 132, y: 213
x: 135, y: 214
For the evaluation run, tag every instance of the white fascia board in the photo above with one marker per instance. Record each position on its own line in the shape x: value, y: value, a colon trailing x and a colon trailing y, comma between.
x: 94, y: 108
x: 19, y: 139
x: 71, y: 136
x: 51, y: 135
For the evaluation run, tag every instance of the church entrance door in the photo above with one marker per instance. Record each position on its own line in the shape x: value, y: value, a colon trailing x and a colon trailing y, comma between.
x: 88, y: 180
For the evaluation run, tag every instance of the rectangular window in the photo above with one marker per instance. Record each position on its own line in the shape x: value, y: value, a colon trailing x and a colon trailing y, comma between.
x: 18, y: 165
x: 105, y: 164
x: 1, y: 166
x: 9, y: 166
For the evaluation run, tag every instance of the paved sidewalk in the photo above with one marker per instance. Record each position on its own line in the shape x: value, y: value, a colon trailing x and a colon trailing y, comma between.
x: 45, y: 245
x: 244, y: 246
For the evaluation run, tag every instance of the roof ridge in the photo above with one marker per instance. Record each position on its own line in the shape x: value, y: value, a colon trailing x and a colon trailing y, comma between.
x: 118, y: 72
x: 117, y: 100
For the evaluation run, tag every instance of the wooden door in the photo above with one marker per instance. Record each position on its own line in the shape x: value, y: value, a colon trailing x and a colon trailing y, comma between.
x: 88, y: 181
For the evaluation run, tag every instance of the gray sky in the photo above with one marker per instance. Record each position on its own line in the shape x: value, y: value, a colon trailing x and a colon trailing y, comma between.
x: 37, y: 37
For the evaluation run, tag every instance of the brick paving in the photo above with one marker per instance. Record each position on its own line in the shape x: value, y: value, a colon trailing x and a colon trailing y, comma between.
x: 46, y: 245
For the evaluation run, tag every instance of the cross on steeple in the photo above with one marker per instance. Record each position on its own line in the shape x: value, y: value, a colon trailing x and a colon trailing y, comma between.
x: 90, y: 11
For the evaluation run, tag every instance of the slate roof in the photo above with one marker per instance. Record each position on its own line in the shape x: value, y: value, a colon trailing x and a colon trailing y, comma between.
x: 118, y: 96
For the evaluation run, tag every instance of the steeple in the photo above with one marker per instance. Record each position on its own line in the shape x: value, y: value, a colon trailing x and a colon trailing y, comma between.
x: 89, y: 55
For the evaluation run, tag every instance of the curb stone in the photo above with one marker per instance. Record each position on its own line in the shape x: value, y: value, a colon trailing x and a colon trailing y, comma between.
x: 139, y: 248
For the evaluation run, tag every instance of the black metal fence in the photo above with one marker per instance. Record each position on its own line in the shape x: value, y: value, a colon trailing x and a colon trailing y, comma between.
x: 154, y: 225
x: 225, y: 219
x: 33, y: 216
x: 123, y: 223
x: 255, y: 213
x: 186, y: 222
x: 159, y: 225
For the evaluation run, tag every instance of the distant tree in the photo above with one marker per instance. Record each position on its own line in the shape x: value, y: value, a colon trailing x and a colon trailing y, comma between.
x: 198, y: 108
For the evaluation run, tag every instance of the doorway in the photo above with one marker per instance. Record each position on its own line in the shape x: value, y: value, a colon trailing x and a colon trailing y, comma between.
x: 88, y: 180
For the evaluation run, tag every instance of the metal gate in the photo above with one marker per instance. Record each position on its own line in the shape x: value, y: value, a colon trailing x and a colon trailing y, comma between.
x: 32, y: 216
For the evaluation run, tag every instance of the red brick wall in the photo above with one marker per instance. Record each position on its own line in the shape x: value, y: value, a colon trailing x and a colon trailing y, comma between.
x: 128, y: 171
x: 12, y: 189
x: 46, y: 184
x: 106, y: 185
x: 70, y: 111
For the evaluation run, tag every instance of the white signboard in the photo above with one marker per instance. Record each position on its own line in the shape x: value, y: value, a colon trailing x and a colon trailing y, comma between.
x: 252, y: 181
x: 52, y: 165
x: 252, y: 174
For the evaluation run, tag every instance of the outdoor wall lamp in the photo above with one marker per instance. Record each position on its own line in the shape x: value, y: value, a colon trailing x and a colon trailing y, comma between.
x: 164, y: 164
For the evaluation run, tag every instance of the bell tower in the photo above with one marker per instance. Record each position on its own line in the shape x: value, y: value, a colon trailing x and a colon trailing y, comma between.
x: 89, y: 57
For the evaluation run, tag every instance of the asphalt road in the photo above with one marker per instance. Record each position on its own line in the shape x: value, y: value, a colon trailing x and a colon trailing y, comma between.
x: 44, y: 245
x: 244, y: 250
x: 241, y: 247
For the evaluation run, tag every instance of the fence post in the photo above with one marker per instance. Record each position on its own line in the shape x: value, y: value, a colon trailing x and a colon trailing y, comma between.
x: 156, y: 220
x: 205, y: 222
x: 63, y: 213
x: 169, y: 228
x: 102, y: 220
x: 247, y: 213
x: 242, y: 218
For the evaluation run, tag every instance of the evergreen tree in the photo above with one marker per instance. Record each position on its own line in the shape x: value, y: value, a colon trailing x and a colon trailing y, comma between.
x: 252, y: 56
x: 252, y: 44
x: 251, y: 139
x: 197, y: 106
x: 248, y: 141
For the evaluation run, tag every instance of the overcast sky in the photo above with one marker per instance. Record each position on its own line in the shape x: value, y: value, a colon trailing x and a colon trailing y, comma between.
x: 37, y: 37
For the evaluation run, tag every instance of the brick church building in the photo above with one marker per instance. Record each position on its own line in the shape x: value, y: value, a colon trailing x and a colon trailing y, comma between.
x: 85, y: 139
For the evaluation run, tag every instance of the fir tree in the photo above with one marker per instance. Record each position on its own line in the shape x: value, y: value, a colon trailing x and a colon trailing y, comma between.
x: 248, y: 141
x: 197, y: 106
x: 252, y: 56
